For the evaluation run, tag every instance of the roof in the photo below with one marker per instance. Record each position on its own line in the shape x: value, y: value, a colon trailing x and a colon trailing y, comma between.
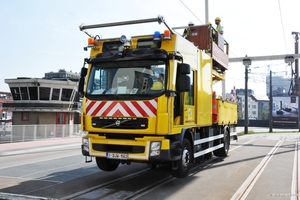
x: 260, y: 97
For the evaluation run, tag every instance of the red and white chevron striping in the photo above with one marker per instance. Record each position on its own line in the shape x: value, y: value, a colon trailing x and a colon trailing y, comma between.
x: 122, y: 108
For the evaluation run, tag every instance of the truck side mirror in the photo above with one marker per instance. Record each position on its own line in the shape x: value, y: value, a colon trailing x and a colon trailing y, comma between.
x: 183, y: 82
x: 83, y: 73
x: 183, y: 68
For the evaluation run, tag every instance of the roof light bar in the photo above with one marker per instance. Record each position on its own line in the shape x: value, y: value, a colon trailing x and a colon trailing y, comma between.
x: 167, y: 35
x: 156, y: 36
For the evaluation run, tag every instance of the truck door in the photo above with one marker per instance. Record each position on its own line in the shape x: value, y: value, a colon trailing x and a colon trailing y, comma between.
x: 184, y: 106
x: 188, y: 103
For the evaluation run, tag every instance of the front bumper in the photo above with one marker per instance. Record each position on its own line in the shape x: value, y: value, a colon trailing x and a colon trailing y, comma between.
x: 138, y: 149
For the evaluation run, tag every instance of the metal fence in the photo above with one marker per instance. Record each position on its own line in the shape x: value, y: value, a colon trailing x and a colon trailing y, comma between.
x: 25, y: 133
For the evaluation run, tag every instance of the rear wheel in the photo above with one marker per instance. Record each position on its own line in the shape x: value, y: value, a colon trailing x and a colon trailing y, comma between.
x: 223, y: 152
x: 184, y: 164
x: 107, y: 164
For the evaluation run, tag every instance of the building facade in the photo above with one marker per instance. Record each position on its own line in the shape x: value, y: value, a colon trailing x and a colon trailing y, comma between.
x: 50, y: 100
x: 258, y: 106
x: 280, y: 86
x: 5, y: 97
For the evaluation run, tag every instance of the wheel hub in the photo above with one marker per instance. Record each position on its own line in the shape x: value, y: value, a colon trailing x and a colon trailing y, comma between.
x: 185, y: 158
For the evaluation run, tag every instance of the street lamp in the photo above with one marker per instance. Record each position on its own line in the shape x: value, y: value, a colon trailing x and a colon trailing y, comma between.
x: 289, y: 59
x: 247, y: 63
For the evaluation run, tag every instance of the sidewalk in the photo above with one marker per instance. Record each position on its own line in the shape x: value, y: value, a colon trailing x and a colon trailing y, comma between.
x: 265, y: 130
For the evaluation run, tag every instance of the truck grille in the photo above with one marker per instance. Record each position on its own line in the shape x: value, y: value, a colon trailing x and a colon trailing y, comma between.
x: 120, y: 123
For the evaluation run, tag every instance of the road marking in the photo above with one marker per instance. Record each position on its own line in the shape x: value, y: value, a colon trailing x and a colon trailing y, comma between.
x: 232, y: 149
x: 248, y: 184
x: 295, y: 177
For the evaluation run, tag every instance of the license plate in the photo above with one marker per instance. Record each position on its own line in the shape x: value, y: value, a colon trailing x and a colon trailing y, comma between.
x: 121, y: 156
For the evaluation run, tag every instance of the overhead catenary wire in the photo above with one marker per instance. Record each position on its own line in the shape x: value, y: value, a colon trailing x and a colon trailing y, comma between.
x: 282, y: 26
x: 279, y: 66
x: 191, y: 11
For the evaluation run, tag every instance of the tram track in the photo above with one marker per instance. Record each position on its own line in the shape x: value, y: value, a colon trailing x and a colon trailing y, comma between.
x: 113, y: 189
x: 149, y: 188
x: 249, y: 183
x: 105, y: 191
x: 105, y: 185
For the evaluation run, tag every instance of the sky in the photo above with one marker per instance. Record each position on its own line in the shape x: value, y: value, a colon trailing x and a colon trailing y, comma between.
x: 43, y: 36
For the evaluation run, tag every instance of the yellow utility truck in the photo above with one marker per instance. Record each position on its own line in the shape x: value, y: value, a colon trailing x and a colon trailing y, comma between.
x: 150, y: 98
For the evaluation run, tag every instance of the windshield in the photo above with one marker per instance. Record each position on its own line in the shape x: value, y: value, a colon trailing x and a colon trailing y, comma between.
x: 127, y: 77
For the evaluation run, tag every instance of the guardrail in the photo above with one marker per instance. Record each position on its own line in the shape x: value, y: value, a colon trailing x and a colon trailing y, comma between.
x: 25, y: 133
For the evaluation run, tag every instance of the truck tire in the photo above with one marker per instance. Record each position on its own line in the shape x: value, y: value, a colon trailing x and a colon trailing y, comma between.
x: 106, y: 164
x: 223, y: 152
x: 184, y: 164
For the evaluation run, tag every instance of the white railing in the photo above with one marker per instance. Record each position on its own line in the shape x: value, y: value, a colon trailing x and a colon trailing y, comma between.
x: 25, y: 133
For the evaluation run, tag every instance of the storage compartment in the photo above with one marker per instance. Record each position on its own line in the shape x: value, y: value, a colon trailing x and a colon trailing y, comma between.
x: 227, y: 112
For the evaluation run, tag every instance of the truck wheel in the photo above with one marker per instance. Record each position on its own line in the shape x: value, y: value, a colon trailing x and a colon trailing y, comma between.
x: 223, y: 152
x: 106, y: 164
x: 184, y: 164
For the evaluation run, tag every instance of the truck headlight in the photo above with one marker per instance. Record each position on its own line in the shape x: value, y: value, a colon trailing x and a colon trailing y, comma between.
x: 85, y: 144
x: 155, y: 148
x: 85, y: 141
x: 85, y: 148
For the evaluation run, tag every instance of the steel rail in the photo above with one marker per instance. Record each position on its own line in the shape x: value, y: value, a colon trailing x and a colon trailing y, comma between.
x: 104, y: 185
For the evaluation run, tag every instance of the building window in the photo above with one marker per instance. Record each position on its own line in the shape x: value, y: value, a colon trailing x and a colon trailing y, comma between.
x: 15, y: 93
x: 33, y: 93
x: 55, y: 94
x: 66, y: 94
x: 44, y: 93
x: 24, y: 93
x: 25, y: 116
x: 60, y: 118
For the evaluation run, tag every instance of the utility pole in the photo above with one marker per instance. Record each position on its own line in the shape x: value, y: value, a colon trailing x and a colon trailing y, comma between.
x: 296, y: 78
x: 271, y: 105
x: 206, y: 11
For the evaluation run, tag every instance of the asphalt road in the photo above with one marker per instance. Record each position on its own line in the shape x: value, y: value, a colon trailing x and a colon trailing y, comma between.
x: 260, y: 166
